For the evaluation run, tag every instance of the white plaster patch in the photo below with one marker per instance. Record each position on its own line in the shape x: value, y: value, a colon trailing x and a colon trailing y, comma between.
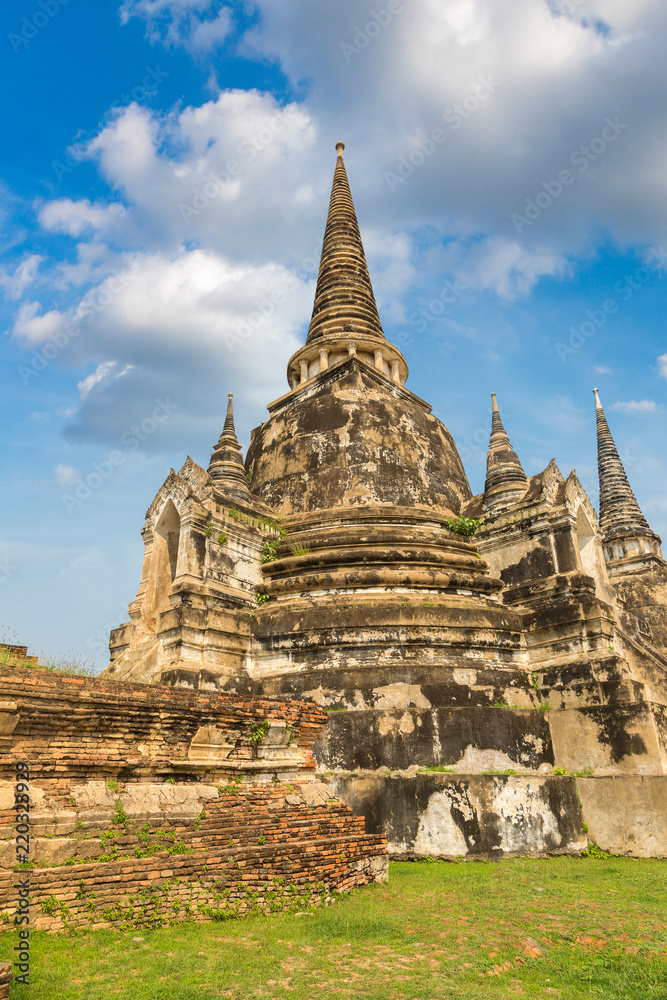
x: 406, y: 725
x: 438, y: 834
x: 400, y: 695
x: 525, y: 819
x: 466, y: 678
x: 386, y: 724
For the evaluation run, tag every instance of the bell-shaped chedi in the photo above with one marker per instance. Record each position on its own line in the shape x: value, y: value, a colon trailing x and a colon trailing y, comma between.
x: 505, y: 478
x: 226, y: 467
x: 349, y: 434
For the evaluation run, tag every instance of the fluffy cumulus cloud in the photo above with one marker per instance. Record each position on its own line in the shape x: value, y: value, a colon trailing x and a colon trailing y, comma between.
x: 190, y: 327
x: 77, y: 217
x: 486, y: 146
x: 485, y: 111
x: 662, y: 365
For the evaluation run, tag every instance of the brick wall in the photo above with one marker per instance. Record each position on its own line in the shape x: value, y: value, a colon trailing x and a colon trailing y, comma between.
x: 146, y: 807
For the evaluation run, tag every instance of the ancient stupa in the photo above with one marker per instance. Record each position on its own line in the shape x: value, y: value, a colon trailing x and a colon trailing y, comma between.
x: 473, y: 652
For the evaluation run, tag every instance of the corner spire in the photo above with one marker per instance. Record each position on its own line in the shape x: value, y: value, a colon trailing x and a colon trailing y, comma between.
x: 620, y: 513
x: 226, y: 467
x: 345, y: 320
x: 505, y: 478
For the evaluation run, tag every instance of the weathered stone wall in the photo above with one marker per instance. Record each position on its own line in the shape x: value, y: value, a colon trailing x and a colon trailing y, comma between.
x: 495, y: 815
x: 150, y: 804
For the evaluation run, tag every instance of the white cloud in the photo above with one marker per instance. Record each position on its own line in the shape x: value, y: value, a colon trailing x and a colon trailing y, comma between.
x: 193, y: 24
x: 662, y: 365
x: 77, y: 217
x: 21, y: 277
x: 505, y: 267
x: 193, y: 324
x: 66, y: 475
x: 601, y: 370
x: 636, y: 407
x: 103, y: 372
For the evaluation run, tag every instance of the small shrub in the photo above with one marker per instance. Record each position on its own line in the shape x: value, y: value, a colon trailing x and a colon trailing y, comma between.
x: 593, y: 851
x: 464, y: 525
x: 258, y: 731
x: 261, y: 598
x: 222, y: 538
x: 113, y: 786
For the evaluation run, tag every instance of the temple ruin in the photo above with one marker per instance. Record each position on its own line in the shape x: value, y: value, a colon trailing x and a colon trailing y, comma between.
x: 491, y: 688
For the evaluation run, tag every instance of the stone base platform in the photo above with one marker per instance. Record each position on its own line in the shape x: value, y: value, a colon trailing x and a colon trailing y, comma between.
x: 435, y: 814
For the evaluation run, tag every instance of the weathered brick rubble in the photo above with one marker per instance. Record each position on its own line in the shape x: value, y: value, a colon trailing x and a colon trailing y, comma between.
x: 144, y: 809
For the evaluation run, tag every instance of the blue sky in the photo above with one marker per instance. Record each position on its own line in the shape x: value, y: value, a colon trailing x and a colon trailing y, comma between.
x: 167, y: 165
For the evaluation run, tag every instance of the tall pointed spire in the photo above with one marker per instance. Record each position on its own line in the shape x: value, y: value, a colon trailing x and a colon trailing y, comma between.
x: 505, y: 478
x: 344, y: 300
x: 619, y: 511
x: 226, y: 467
x: 345, y: 320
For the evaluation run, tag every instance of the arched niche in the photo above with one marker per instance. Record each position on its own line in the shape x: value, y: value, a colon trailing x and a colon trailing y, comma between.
x: 166, y: 536
x: 588, y: 550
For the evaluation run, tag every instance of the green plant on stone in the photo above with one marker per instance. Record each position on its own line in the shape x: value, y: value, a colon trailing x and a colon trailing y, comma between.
x: 119, y: 816
x: 261, y: 598
x: 535, y: 681
x: 258, y: 731
x: 300, y: 550
x: 170, y: 781
x: 113, y: 786
x: 209, y: 530
x: 544, y: 707
x: 464, y: 525
x: 222, y: 538
x: 261, y: 839
x: 268, y: 550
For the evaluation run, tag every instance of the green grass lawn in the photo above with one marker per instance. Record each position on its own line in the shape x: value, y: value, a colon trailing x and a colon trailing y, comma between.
x: 561, y: 927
